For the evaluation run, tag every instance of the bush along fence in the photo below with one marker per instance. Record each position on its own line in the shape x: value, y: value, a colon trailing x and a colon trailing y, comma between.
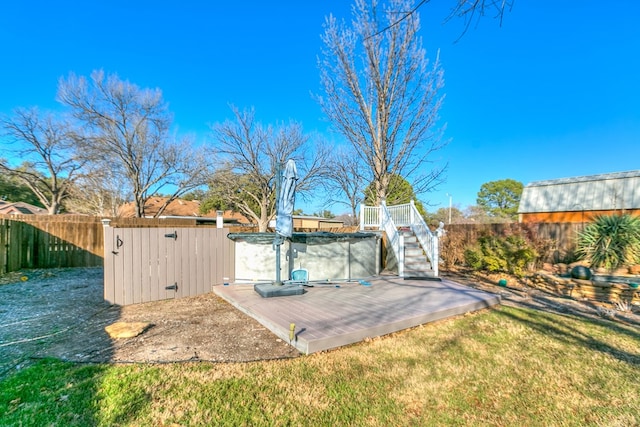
x: 551, y: 242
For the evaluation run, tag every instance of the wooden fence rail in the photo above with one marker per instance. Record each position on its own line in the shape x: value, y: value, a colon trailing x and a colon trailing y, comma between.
x: 43, y: 241
x: 55, y: 241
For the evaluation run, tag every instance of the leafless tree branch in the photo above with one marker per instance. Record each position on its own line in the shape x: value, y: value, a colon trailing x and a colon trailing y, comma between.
x: 46, y: 145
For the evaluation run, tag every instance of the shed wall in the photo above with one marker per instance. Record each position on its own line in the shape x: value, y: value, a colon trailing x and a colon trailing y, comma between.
x: 585, y: 193
x: 573, y: 217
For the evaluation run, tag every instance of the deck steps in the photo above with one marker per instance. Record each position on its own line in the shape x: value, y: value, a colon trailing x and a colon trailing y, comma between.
x: 416, y: 263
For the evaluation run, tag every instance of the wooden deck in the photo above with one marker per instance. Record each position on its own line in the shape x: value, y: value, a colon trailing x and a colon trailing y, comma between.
x: 335, y: 314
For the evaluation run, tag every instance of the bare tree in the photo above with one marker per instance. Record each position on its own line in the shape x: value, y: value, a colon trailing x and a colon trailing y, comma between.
x: 127, y: 130
x: 101, y: 192
x: 252, y: 153
x: 45, y: 145
x: 381, y: 93
x: 346, y: 180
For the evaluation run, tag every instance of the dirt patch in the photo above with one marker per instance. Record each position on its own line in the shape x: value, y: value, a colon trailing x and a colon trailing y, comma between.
x: 61, y: 313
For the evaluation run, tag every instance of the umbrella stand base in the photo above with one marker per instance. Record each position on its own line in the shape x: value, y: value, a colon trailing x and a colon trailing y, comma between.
x: 267, y: 290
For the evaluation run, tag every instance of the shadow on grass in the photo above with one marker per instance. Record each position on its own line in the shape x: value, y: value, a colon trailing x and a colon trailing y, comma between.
x: 52, y: 341
x: 548, y: 325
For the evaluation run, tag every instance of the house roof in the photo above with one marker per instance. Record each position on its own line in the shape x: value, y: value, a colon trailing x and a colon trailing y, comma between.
x: 611, y: 191
x: 317, y: 218
x: 179, y: 209
x: 182, y: 208
x: 20, y: 208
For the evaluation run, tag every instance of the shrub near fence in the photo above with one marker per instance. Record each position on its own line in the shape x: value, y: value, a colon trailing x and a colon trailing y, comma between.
x: 554, y: 242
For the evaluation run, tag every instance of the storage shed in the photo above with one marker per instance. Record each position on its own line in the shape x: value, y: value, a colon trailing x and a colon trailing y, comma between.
x: 579, y: 199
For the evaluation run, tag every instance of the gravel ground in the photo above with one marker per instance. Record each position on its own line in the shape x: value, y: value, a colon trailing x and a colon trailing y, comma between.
x: 61, y: 313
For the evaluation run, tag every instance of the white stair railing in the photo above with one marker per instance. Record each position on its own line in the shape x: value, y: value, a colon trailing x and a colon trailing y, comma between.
x: 395, y: 239
x: 369, y: 217
x: 401, y: 214
x: 427, y: 239
x: 389, y: 218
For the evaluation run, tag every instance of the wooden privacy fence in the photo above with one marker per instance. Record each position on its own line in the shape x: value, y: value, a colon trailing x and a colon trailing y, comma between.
x: 34, y: 241
x: 53, y: 241
x: 150, y: 264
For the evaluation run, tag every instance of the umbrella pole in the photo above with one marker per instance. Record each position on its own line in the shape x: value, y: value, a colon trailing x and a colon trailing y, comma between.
x: 285, y: 193
x: 278, y: 281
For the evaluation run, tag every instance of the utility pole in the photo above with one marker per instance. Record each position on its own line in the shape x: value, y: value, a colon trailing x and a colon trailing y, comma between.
x: 449, y: 207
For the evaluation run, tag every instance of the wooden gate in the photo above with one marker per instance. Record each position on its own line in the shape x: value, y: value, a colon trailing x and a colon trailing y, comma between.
x: 150, y: 264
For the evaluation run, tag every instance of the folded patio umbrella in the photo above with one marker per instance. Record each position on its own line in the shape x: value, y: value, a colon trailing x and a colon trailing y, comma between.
x: 286, y: 200
x: 284, y: 211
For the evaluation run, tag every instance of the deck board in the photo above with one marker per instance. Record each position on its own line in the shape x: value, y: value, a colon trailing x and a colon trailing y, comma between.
x: 332, y: 315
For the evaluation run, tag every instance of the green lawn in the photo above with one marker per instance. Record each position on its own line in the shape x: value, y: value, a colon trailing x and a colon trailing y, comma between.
x: 505, y: 366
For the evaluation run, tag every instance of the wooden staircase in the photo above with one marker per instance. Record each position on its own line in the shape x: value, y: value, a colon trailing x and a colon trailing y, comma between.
x: 416, y: 264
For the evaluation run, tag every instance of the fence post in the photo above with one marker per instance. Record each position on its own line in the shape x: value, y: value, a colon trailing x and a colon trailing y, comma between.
x: 412, y: 217
x: 219, y: 219
x: 4, y: 246
x: 362, y: 219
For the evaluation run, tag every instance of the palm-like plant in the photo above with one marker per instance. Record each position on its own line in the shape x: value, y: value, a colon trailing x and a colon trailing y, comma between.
x: 611, y: 241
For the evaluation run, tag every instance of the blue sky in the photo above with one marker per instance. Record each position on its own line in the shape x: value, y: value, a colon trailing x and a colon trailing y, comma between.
x: 554, y: 92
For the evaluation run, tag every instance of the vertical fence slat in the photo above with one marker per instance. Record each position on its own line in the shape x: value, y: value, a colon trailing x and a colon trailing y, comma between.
x: 205, y: 266
x: 185, y: 261
x: 109, y: 266
x: 4, y: 245
x: 167, y: 253
x: 118, y: 268
x: 154, y: 266
x: 137, y: 236
x: 145, y: 267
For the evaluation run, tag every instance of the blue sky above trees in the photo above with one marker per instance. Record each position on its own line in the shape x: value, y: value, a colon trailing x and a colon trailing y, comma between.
x: 551, y: 93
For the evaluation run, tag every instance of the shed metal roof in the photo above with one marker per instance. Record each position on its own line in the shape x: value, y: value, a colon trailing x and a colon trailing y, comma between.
x: 620, y: 190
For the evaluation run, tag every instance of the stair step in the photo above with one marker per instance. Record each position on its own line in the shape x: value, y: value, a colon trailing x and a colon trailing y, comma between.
x: 413, y: 252
x: 416, y: 264
x: 418, y: 267
x: 411, y: 273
